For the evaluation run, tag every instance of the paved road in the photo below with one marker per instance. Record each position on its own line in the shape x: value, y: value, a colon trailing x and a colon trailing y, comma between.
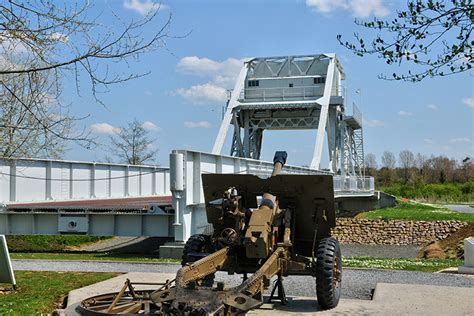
x: 461, y: 208
x: 357, y: 283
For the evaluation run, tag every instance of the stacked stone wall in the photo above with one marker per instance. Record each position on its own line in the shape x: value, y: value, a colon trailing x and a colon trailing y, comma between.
x: 393, y: 232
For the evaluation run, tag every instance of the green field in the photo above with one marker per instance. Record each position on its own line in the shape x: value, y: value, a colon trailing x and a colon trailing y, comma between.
x: 416, y: 212
x: 42, y: 292
x: 434, y: 192
x: 141, y: 258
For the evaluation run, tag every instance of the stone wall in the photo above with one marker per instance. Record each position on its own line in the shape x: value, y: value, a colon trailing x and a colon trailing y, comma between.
x: 392, y: 232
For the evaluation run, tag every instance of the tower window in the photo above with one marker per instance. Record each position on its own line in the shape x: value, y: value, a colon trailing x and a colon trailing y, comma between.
x: 253, y: 83
x: 290, y: 85
x: 319, y: 80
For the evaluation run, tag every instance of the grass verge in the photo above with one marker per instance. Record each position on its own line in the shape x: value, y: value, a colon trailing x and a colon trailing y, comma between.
x: 94, y: 257
x: 416, y: 212
x: 42, y: 292
x: 48, y: 243
x: 400, y: 264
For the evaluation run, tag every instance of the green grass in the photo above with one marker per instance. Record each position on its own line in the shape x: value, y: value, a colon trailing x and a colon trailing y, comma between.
x: 48, y: 243
x: 416, y: 212
x: 434, y: 192
x: 400, y: 264
x: 42, y: 292
x: 94, y: 257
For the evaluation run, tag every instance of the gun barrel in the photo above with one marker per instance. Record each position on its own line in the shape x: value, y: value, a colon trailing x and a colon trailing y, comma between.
x: 279, y: 161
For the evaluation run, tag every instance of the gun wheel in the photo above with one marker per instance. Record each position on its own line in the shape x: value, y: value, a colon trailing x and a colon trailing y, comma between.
x: 328, y: 273
x: 197, y: 247
x: 136, y: 303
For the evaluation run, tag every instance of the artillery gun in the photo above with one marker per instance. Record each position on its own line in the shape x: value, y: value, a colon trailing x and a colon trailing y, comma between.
x: 277, y: 226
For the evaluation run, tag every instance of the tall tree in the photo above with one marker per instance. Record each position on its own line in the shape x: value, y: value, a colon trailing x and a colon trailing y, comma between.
x: 371, y: 164
x: 66, y: 41
x: 133, y: 145
x: 388, y: 160
x: 37, y: 129
x: 388, y: 165
x: 407, y: 162
x: 433, y: 36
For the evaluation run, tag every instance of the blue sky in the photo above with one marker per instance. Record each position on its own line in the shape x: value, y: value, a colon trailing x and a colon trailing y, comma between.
x: 181, y: 100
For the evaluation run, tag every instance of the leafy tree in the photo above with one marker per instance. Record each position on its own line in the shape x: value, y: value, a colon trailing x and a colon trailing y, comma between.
x: 132, y: 144
x: 65, y: 41
x: 433, y: 35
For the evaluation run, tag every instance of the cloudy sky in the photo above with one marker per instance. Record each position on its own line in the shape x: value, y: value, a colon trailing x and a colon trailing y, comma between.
x: 181, y: 101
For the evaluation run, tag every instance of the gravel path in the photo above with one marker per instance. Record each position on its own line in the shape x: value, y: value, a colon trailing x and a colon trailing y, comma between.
x: 379, y: 251
x: 461, y: 208
x: 357, y: 283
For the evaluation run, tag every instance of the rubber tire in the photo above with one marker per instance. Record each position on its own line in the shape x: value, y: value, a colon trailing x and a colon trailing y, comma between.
x: 327, y: 254
x: 198, y: 244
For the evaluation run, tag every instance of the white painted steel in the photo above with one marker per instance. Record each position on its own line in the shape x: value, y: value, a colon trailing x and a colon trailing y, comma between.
x: 233, y: 103
x: 90, y: 224
x: 6, y: 271
x: 30, y: 180
x: 52, y: 180
x: 323, y: 116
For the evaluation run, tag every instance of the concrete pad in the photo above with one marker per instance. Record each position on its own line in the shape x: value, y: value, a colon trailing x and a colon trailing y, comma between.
x: 116, y: 283
x: 424, y: 299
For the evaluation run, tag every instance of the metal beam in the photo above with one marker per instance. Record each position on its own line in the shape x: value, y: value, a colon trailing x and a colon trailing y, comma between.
x: 233, y: 102
x: 324, y: 101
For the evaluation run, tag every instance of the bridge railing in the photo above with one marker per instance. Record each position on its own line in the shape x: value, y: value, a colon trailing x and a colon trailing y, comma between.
x: 31, y: 180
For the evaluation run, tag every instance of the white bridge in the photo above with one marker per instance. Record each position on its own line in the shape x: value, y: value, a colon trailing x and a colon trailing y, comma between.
x: 48, y: 197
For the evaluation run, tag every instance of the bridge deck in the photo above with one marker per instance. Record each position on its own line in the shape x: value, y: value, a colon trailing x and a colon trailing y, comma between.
x: 124, y: 203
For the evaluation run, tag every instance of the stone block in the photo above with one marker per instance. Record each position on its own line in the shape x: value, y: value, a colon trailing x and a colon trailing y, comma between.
x: 468, y: 267
x: 172, y: 250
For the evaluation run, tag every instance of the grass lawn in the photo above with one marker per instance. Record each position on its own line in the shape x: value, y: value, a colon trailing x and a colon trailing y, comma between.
x: 93, y: 256
x: 48, y: 243
x: 416, y: 212
x: 401, y: 264
x: 42, y: 292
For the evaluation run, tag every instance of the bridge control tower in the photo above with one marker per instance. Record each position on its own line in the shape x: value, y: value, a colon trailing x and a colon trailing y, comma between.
x: 294, y: 92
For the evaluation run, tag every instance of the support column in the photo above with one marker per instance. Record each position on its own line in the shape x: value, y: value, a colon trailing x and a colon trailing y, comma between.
x: 323, y: 117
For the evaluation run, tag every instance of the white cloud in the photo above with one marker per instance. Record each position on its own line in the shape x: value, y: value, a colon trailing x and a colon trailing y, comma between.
x: 405, y: 113
x: 429, y: 141
x: 221, y: 76
x: 469, y: 102
x: 143, y: 7
x: 149, y: 126
x: 60, y: 37
x: 207, y: 92
x: 358, y: 8
x: 104, y: 128
x: 460, y: 140
x: 374, y: 123
x: 432, y: 107
x: 200, y: 124
x: 203, y: 67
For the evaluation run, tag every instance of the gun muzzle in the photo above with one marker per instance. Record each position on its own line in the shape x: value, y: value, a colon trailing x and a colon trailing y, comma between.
x: 279, y: 161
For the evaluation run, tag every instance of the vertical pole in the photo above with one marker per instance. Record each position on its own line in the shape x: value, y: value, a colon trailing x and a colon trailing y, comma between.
x: 49, y: 167
x: 12, y: 180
